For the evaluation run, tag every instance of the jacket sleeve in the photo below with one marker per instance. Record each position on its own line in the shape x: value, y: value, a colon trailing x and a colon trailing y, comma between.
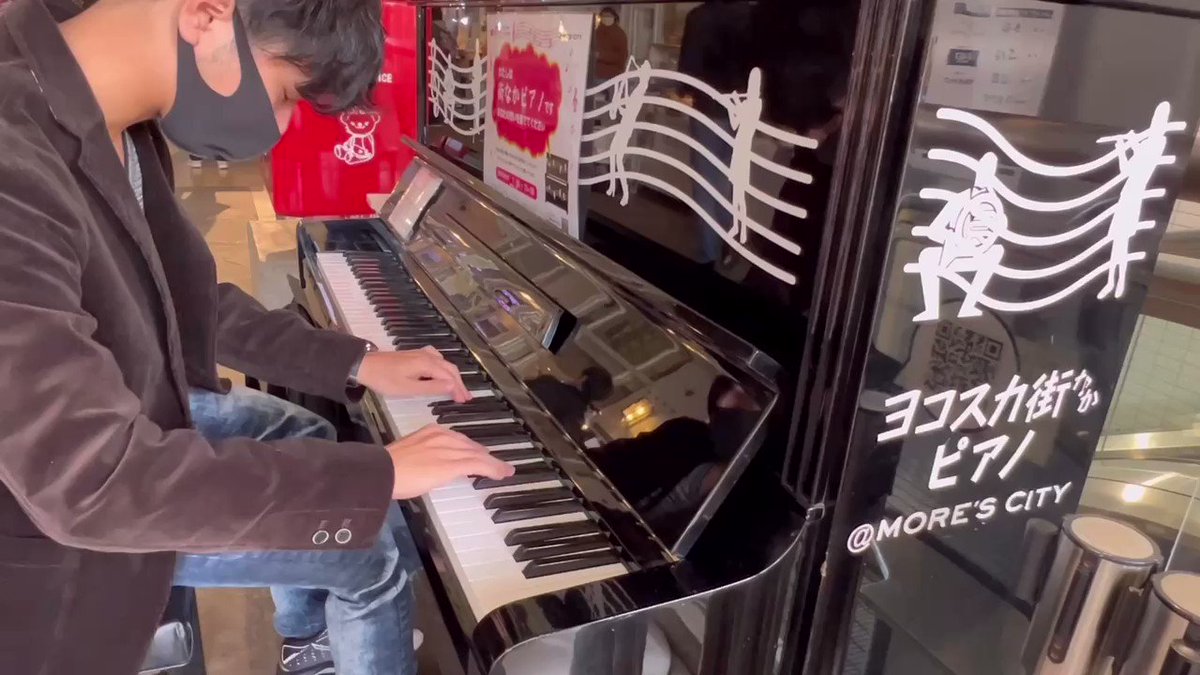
x: 282, y: 348
x: 78, y: 454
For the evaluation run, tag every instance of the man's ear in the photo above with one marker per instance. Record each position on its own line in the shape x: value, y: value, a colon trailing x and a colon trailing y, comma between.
x: 197, y: 17
x: 208, y: 26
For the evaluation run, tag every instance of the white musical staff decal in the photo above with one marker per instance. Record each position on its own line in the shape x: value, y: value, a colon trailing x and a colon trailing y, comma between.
x: 631, y: 93
x: 971, y: 231
x: 464, y: 113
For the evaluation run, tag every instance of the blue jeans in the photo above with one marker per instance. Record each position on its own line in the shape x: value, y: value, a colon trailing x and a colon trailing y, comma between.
x: 364, y: 597
x: 711, y: 244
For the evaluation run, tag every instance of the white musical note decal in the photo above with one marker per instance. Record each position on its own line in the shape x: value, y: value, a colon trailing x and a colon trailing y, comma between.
x: 968, y: 235
x: 463, y: 113
x: 631, y: 93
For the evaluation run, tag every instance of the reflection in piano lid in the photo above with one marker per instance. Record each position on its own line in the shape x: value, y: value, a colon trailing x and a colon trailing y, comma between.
x: 626, y: 425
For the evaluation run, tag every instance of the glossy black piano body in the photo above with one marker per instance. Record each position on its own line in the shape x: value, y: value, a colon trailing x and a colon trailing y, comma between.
x: 815, y: 317
x: 703, y: 595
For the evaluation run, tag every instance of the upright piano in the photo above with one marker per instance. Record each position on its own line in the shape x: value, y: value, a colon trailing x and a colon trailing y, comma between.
x: 701, y: 371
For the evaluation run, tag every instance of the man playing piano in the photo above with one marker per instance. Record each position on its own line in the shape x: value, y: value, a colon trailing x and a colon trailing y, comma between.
x: 119, y: 445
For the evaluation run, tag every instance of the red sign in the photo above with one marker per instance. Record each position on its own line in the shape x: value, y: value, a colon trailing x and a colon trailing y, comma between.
x: 526, y: 96
x: 327, y: 165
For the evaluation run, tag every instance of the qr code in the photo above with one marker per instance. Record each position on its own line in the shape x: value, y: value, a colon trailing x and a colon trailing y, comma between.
x: 961, y: 358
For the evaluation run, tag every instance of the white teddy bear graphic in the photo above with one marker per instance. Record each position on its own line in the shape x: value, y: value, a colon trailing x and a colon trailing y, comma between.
x: 360, y: 147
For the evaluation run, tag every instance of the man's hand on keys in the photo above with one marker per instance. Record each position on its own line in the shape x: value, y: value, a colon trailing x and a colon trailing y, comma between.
x: 433, y: 456
x: 416, y: 372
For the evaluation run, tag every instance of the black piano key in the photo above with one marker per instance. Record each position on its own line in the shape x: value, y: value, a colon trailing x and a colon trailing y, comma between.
x: 417, y: 333
x: 476, y: 381
x: 581, y: 544
x: 517, y: 454
x: 477, y: 405
x: 484, y: 416
x: 538, y: 473
x: 406, y: 342
x: 402, y: 326
x: 502, y: 413
x: 386, y: 283
x: 407, y: 317
x: 492, y: 430
x: 403, y: 323
x: 382, y: 294
x: 485, y: 405
x: 520, y: 498
x: 427, y: 325
x: 384, y: 267
x: 546, y: 534
x: 569, y: 563
x: 512, y: 515
x: 504, y: 439
x: 402, y: 315
x: 399, y: 302
x: 413, y: 306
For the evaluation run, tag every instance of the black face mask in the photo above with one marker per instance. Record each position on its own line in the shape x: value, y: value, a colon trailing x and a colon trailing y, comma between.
x: 209, y: 125
x: 730, y: 427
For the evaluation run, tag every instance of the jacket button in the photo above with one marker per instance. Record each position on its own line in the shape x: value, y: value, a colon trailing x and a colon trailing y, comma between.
x: 342, y: 536
x: 320, y: 537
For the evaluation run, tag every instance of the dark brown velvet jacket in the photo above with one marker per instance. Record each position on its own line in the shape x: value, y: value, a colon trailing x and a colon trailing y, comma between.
x: 107, y: 316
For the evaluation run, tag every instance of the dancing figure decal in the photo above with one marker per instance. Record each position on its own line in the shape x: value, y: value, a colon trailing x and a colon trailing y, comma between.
x: 969, y: 236
x: 967, y: 231
x: 458, y: 94
x: 630, y: 93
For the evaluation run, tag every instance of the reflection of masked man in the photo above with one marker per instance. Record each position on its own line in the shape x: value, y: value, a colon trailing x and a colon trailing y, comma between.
x: 666, y: 473
x: 568, y: 402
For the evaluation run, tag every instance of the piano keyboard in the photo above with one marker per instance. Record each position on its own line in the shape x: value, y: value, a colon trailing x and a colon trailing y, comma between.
x: 506, y: 540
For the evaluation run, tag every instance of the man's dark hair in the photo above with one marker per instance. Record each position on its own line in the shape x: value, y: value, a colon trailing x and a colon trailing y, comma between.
x: 338, y: 44
x: 597, y: 384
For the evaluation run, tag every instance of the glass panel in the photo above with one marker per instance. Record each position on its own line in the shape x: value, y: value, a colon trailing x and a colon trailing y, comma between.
x: 987, y: 303
x: 731, y: 128
x: 457, y: 85
x: 663, y: 144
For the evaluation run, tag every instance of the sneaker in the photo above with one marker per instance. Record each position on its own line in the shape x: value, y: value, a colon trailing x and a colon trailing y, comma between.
x: 222, y: 165
x: 195, y: 162
x: 306, y: 657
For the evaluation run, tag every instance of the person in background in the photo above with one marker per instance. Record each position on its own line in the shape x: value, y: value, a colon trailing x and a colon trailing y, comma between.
x: 612, y: 46
x: 717, y: 49
x: 197, y: 162
x: 121, y: 445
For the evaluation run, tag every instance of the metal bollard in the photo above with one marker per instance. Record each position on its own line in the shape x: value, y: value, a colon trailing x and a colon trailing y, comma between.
x: 1099, y: 566
x: 1169, y: 628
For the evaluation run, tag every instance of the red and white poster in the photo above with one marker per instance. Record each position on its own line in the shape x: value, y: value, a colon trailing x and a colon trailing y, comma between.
x: 534, y: 126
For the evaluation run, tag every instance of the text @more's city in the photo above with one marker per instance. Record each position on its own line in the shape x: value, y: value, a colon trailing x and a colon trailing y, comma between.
x: 979, y: 511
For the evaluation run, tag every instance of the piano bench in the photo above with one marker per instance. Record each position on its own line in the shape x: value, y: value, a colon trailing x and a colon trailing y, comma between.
x: 176, y: 647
